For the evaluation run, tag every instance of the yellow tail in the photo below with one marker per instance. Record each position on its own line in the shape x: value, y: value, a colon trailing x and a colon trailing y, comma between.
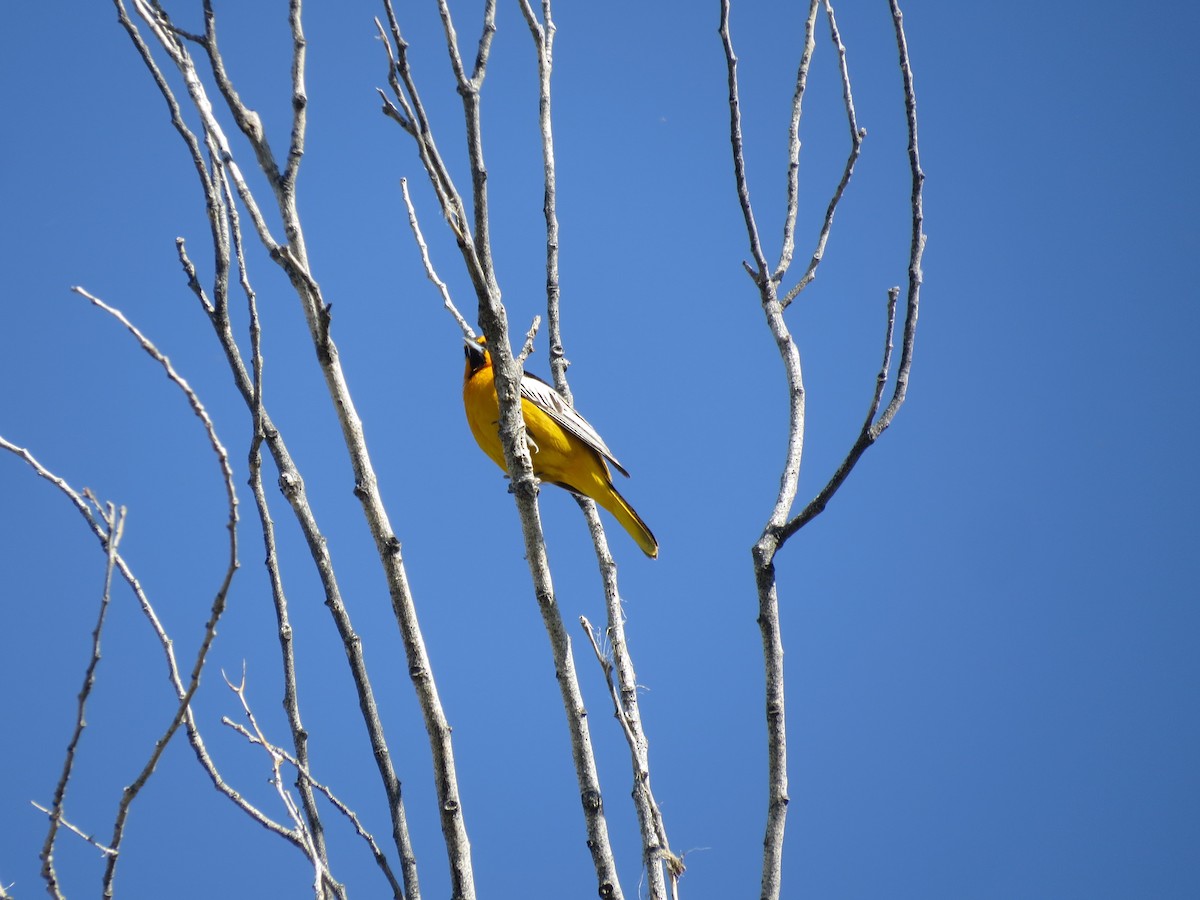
x: 630, y: 520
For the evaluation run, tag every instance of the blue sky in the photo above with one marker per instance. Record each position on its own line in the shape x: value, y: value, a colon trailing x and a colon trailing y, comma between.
x: 991, y: 634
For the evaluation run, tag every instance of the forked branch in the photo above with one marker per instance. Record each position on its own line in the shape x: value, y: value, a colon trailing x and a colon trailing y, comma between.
x: 779, y: 526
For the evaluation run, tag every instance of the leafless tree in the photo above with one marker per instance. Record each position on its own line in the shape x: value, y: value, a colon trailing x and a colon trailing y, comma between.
x: 190, y: 71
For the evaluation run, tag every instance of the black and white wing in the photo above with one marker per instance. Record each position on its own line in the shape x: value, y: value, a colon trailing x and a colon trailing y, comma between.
x: 551, y: 402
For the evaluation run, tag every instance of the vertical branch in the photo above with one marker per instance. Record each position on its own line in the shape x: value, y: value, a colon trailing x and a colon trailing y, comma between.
x: 778, y: 528
x: 655, y: 850
x: 857, y: 135
x: 763, y: 552
x: 114, y: 523
x: 291, y: 699
x: 299, y: 99
x: 917, y: 245
x: 735, y: 139
x: 168, y: 38
x: 423, y: 248
x: 324, y: 884
x: 469, y: 88
x: 410, y: 115
x: 793, y: 174
x: 218, y: 606
x: 543, y: 39
x: 291, y: 484
x: 508, y: 374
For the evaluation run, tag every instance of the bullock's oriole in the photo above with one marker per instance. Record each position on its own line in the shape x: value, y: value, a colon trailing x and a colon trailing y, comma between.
x: 565, y: 449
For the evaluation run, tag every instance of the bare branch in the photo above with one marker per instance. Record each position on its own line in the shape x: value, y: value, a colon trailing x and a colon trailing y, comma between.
x: 527, y: 347
x: 307, y: 777
x: 872, y: 428
x: 778, y: 528
x: 656, y: 851
x: 114, y: 522
x: 77, y: 499
x: 429, y: 270
x: 917, y: 247
x: 485, y: 42
x: 324, y: 883
x: 74, y: 829
x: 246, y: 119
x: 866, y: 436
x: 469, y: 90
x: 177, y: 122
x: 412, y: 117
x: 292, y: 257
x: 291, y: 700
x: 197, y: 408
x: 299, y: 98
x: 856, y: 138
x: 653, y: 833
x: 156, y: 20
x: 82, y: 506
x: 210, y: 632
x: 291, y: 484
x: 767, y: 545
x: 456, y: 63
x: 739, y: 159
x: 543, y: 39
x: 793, y: 179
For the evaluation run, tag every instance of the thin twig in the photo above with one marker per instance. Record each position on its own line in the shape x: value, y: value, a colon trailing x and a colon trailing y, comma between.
x: 82, y: 506
x: 656, y: 852
x: 307, y: 777
x: 857, y: 135
x: 543, y: 38
x: 872, y: 428
x: 917, y: 245
x: 412, y: 117
x: 430, y: 272
x: 527, y: 347
x: 246, y: 119
x: 866, y: 436
x: 291, y: 484
x: 469, y: 90
x: 323, y: 881
x: 74, y: 829
x: 793, y: 173
x: 189, y: 138
x: 299, y: 98
x: 114, y: 521
x: 157, y: 21
x: 291, y: 698
x: 218, y: 606
x: 739, y: 157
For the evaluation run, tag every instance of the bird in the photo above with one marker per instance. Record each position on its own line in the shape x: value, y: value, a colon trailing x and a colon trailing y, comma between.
x: 564, y: 448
